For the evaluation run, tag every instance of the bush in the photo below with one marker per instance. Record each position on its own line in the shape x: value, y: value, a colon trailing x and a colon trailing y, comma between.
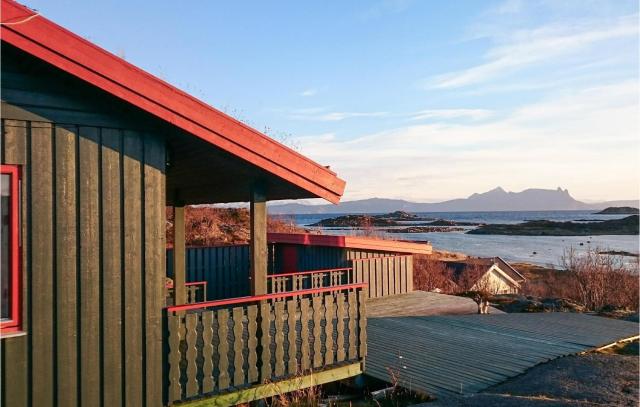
x: 206, y: 226
x: 601, y: 280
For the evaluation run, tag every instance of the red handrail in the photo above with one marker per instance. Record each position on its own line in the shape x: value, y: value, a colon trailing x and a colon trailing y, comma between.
x: 239, y: 300
x: 302, y: 273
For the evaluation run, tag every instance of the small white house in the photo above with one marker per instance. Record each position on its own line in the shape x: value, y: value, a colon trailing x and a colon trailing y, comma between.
x: 487, y: 274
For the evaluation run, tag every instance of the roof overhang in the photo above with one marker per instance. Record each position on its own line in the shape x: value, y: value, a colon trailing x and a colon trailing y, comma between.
x: 350, y: 242
x: 43, y: 39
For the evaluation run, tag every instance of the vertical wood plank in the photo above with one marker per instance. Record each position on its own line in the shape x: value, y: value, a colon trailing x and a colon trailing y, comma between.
x: 111, y: 334
x: 340, y: 353
x: 384, y: 263
x: 174, y: 323
x: 179, y: 256
x: 14, y: 142
x: 191, y: 321
x: 208, y: 384
x: 15, y: 385
x: 394, y: 272
x: 238, y: 347
x: 362, y: 322
x: 353, y: 315
x: 379, y: 284
x: 265, y: 340
x: 317, y: 331
x: 304, y: 333
x: 133, y: 274
x: 371, y: 269
x: 66, y: 278
x: 42, y: 260
x: 292, y: 351
x: 409, y: 273
x: 279, y: 318
x: 252, y: 343
x: 258, y: 219
x: 329, y: 316
x: 223, y: 349
x: 90, y: 294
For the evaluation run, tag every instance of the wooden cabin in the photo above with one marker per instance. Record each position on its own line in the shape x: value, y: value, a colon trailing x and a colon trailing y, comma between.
x: 93, y: 150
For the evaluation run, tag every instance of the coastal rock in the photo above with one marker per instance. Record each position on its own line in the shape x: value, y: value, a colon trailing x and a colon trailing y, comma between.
x: 424, y: 229
x: 359, y: 221
x: 445, y: 222
x: 624, y: 226
x: 619, y: 210
x: 355, y: 221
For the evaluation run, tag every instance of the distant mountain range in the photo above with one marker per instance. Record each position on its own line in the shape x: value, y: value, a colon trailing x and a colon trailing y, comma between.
x: 495, y: 200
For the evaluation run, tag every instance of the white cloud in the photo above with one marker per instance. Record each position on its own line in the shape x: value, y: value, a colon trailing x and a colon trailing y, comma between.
x: 586, y: 141
x: 324, y: 115
x: 473, y: 114
x: 309, y: 92
x: 529, y: 47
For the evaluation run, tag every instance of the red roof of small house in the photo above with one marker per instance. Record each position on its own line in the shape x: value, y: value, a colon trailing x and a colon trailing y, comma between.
x: 42, y: 38
x: 352, y: 242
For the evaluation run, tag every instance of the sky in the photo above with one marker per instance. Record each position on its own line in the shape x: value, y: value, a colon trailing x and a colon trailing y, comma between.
x: 417, y: 100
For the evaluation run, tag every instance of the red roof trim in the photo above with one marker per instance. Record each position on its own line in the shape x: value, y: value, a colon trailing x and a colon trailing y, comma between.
x: 51, y: 43
x: 353, y: 242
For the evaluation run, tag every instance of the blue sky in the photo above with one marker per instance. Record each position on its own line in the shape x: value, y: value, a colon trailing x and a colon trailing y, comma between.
x: 421, y: 100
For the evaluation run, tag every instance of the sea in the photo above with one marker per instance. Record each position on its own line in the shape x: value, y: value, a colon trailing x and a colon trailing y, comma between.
x: 541, y: 250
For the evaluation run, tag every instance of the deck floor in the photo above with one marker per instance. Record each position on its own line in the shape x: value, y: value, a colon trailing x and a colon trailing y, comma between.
x: 460, y: 354
x: 421, y: 303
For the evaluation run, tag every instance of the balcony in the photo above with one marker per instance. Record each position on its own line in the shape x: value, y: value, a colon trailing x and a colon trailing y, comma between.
x: 304, y: 325
x: 240, y: 349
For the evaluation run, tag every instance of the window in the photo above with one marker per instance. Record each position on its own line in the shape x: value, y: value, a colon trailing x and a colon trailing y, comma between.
x: 10, y: 255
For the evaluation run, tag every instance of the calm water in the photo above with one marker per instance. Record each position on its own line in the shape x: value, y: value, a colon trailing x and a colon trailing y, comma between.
x: 548, y: 249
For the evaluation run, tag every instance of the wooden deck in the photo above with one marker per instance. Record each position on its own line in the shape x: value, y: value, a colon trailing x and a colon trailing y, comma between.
x: 443, y: 355
x: 421, y: 303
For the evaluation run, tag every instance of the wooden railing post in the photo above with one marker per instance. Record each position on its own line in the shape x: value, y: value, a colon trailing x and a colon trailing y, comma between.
x: 179, y: 259
x: 258, y: 244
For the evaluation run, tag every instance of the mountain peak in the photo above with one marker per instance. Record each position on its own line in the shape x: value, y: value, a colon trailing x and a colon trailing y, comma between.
x: 497, y: 191
x: 497, y: 199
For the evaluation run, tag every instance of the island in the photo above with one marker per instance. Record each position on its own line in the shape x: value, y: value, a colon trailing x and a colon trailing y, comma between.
x: 359, y: 221
x: 618, y: 210
x: 624, y: 226
x: 425, y: 229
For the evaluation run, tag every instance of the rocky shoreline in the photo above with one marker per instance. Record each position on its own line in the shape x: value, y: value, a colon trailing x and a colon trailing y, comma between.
x: 624, y: 226
x: 398, y: 218
x: 619, y: 210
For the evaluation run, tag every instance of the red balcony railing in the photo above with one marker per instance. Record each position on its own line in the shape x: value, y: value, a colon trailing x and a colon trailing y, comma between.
x: 217, y: 346
x: 302, y: 280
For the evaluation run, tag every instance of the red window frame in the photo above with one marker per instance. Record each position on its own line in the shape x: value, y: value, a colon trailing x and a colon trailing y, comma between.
x: 15, y: 278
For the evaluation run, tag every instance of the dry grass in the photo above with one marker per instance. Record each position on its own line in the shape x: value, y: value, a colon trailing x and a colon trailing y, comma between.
x: 206, y: 226
x: 597, y: 281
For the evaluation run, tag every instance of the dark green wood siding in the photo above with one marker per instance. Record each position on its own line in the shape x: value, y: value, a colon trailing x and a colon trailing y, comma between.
x: 224, y: 268
x: 93, y: 248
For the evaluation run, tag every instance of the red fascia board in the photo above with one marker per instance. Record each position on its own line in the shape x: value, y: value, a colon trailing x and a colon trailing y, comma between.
x: 352, y: 242
x: 53, y: 44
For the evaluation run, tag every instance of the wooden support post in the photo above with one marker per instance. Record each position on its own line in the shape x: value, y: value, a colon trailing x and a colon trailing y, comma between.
x: 258, y: 245
x: 179, y: 261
